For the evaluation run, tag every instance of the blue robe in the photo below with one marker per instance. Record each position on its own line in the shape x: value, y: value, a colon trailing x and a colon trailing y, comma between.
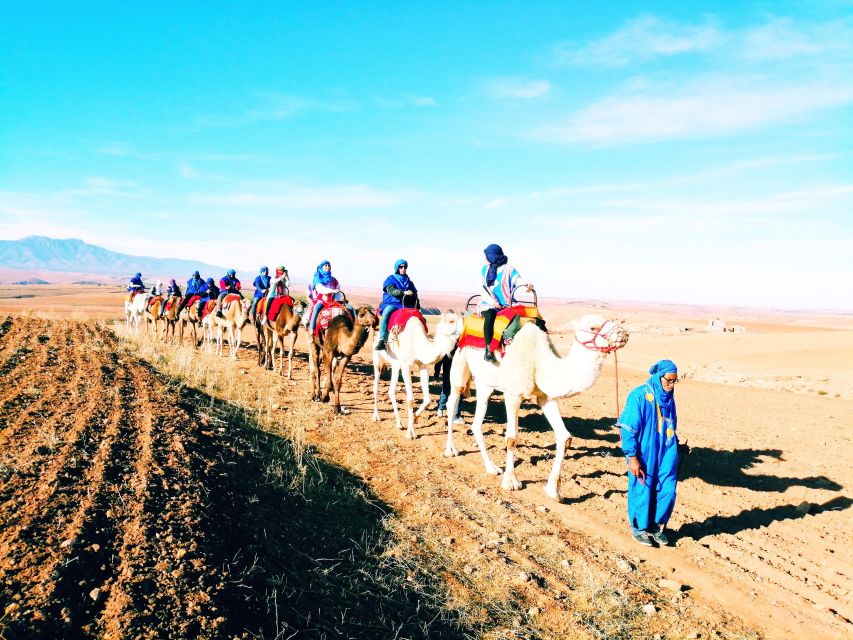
x: 648, y: 432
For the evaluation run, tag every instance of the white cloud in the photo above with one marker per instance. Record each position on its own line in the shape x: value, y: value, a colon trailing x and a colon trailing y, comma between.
x: 277, y: 107
x: 641, y: 39
x: 516, y: 88
x: 783, y: 38
x: 705, y: 109
x: 330, y: 198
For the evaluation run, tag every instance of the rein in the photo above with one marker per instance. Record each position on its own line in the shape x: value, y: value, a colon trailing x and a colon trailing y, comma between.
x: 590, y: 344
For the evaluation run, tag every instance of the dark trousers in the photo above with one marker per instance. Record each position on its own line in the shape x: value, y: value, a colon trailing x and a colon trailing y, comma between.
x: 489, y: 316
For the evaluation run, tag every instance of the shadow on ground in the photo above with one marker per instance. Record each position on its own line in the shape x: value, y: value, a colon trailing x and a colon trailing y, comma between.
x: 305, y: 544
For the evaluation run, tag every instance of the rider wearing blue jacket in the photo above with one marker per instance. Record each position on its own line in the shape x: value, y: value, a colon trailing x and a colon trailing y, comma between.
x: 396, y: 288
x: 136, y: 284
x: 195, y: 287
x: 262, y: 285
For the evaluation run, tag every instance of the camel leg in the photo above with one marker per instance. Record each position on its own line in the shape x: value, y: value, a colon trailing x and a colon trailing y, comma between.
x: 483, y: 395
x: 328, y: 367
x: 406, y: 370
x: 377, y: 371
x: 460, y: 374
x: 232, y: 341
x: 423, y: 376
x: 290, y: 355
x: 392, y: 392
x: 551, y: 409
x: 339, y: 378
x: 313, y: 371
x: 512, y: 402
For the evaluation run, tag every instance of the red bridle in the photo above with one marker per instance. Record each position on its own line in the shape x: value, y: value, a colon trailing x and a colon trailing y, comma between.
x: 590, y: 344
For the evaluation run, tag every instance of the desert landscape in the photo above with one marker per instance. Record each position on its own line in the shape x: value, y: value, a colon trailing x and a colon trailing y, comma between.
x: 156, y: 490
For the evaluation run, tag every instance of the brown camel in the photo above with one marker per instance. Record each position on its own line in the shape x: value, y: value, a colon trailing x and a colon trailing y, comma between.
x: 189, y: 315
x: 270, y: 335
x: 341, y: 340
x: 171, y: 318
x: 152, y: 314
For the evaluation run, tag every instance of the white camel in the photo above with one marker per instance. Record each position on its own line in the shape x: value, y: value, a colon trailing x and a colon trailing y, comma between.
x: 413, y: 348
x: 134, y: 310
x: 235, y: 316
x: 531, y: 368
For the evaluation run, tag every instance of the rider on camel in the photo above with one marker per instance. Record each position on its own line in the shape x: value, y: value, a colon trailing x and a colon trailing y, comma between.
x: 279, y: 286
x: 135, y: 285
x: 500, y: 282
x: 396, y: 288
x: 229, y: 283
x: 195, y: 287
x: 321, y: 292
x: 262, y: 285
x: 211, y: 292
x: 172, y: 290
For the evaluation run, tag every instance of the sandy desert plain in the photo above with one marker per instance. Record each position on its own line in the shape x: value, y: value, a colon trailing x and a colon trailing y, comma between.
x: 153, y: 490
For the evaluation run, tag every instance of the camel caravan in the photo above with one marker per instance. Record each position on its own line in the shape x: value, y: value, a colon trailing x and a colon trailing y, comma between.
x: 499, y: 343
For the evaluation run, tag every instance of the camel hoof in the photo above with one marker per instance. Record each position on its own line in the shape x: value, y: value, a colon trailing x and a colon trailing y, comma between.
x: 494, y: 471
x: 409, y: 435
x: 450, y: 452
x: 375, y: 417
x: 510, y: 483
x: 554, y: 494
x: 343, y: 411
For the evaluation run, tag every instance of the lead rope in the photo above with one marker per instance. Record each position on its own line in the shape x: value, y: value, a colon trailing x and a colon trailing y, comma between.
x: 616, y: 364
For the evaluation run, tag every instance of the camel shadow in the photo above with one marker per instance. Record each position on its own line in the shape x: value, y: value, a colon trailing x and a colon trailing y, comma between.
x: 726, y: 469
x: 304, y: 539
x: 756, y: 518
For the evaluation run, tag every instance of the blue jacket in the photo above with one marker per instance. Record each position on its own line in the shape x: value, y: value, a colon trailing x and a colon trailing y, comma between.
x: 196, y: 287
x: 392, y: 293
x: 173, y: 291
x: 136, y: 284
x: 261, y: 284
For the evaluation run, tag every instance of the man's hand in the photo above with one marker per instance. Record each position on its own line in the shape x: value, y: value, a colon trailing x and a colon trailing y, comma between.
x: 636, y: 470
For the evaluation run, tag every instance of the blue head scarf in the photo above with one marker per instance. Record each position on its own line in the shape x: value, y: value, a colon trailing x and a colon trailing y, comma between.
x: 321, y: 277
x: 264, y: 271
x: 138, y: 275
x: 664, y: 398
x: 402, y: 280
x: 495, y: 256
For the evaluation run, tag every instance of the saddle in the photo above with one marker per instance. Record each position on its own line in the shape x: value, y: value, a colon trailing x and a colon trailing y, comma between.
x: 398, y: 320
x: 130, y: 295
x: 275, y: 306
x: 150, y: 304
x: 229, y: 298
x: 207, y: 308
x: 331, y: 310
x: 472, y: 330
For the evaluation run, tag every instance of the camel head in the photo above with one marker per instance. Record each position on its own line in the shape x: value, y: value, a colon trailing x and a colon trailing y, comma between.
x: 366, y: 317
x: 594, y: 332
x: 449, y: 325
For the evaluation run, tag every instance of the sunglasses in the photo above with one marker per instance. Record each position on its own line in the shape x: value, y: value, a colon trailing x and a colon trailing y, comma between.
x: 670, y: 380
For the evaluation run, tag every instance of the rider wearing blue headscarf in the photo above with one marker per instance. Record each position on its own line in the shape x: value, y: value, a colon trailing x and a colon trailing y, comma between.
x: 396, y: 289
x: 500, y: 281
x: 136, y: 284
x: 321, y: 290
x: 650, y: 445
x: 262, y: 285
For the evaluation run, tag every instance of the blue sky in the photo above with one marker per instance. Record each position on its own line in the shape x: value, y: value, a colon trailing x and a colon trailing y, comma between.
x: 674, y: 152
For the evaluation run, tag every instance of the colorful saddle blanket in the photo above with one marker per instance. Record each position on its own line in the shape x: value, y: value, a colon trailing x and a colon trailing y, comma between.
x: 275, y: 306
x: 150, y: 303
x: 130, y: 295
x: 207, y: 308
x: 231, y: 297
x: 472, y: 331
x: 326, y: 314
x: 401, y: 317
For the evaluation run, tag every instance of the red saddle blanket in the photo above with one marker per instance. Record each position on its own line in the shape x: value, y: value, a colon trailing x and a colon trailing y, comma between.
x: 275, y: 306
x: 207, y: 308
x: 152, y: 300
x: 326, y: 314
x: 230, y: 298
x: 401, y: 317
x: 472, y: 331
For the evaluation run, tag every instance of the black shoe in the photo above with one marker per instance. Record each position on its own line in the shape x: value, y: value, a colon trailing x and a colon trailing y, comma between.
x: 642, y: 537
x: 490, y: 357
x: 380, y: 346
x: 660, y: 537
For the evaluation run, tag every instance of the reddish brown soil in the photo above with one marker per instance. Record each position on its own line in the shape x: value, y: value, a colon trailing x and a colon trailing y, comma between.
x: 133, y: 507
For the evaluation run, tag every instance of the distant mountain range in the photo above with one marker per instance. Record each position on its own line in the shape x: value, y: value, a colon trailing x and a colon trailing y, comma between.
x: 75, y: 256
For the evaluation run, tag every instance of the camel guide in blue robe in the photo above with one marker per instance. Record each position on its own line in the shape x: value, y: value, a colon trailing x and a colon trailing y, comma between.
x: 397, y: 289
x: 650, y: 444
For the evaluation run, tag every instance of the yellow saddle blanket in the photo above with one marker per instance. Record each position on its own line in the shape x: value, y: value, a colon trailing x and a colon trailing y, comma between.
x: 472, y: 331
